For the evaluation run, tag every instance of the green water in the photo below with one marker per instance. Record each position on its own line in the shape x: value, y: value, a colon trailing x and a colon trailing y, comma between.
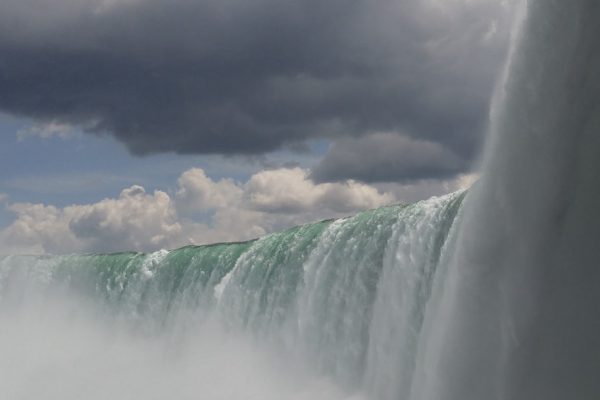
x: 345, y: 296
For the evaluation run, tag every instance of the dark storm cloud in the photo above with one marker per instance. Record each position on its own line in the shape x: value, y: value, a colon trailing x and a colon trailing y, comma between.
x: 246, y: 77
x: 386, y: 157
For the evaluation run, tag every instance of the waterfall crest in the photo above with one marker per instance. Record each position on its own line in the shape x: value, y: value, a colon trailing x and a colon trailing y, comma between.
x: 344, y: 297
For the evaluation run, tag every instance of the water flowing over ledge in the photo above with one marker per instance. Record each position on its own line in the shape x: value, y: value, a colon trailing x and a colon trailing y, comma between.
x: 346, y: 297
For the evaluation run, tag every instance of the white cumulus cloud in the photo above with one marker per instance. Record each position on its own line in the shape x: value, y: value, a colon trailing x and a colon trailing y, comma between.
x: 200, y: 210
x: 291, y: 191
x: 135, y: 220
x: 198, y: 191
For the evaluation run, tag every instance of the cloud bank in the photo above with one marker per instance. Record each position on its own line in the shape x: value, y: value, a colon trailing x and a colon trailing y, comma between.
x: 137, y: 220
x: 233, y: 77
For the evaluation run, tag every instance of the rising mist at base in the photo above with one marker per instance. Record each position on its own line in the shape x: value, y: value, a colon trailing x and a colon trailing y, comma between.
x: 59, y: 351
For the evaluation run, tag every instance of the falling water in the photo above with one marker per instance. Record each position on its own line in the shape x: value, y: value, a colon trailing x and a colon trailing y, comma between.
x: 494, y: 295
x: 329, y: 310
x: 518, y: 315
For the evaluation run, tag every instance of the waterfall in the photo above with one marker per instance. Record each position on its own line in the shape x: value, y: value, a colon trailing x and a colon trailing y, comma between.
x: 344, y: 299
x: 490, y: 295
x: 517, y: 316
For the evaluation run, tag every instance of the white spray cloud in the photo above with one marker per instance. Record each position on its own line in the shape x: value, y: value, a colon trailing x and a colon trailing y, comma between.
x: 60, y: 346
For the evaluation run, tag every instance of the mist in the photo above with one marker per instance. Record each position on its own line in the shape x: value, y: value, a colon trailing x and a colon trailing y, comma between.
x: 63, y: 347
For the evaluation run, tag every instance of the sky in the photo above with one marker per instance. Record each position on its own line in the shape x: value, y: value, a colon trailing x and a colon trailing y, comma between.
x: 148, y: 124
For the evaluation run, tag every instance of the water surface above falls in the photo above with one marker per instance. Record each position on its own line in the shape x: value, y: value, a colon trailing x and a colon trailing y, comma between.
x: 325, y: 310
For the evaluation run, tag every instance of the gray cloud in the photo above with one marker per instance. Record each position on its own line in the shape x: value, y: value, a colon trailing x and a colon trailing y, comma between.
x: 231, y: 76
x: 387, y: 157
